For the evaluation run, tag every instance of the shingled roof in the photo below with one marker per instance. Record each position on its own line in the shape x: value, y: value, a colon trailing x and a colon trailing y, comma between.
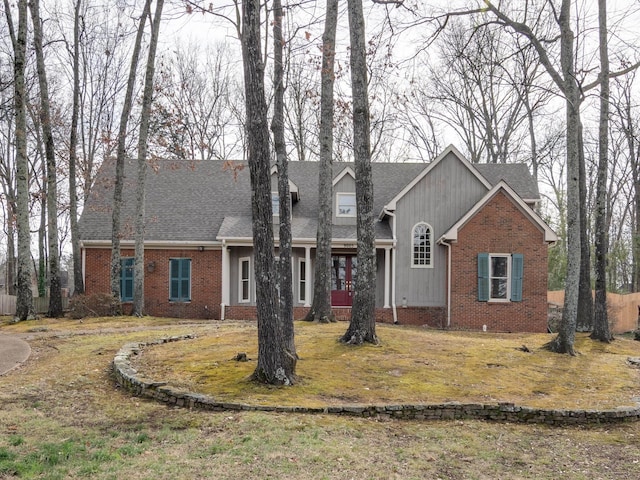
x: 201, y: 201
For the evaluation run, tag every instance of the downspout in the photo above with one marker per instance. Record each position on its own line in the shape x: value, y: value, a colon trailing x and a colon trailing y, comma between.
x: 393, y: 266
x: 442, y: 241
x: 224, y: 274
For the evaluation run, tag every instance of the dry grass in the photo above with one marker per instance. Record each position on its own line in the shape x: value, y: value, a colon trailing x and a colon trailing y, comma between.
x: 62, y: 417
x: 412, y: 365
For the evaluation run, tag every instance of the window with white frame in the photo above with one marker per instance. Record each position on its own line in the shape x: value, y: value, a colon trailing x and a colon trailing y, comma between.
x: 302, y: 280
x: 275, y: 204
x: 244, y: 277
x: 345, y: 204
x: 500, y: 277
x: 422, y: 245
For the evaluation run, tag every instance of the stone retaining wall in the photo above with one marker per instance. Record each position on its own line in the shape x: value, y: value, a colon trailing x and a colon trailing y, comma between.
x: 128, y: 378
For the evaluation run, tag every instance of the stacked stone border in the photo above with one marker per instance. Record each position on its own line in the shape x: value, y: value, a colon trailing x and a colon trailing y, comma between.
x: 127, y: 377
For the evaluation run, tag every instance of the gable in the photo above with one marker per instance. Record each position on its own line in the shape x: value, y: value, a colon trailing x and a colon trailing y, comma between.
x: 451, y: 235
x: 449, y: 154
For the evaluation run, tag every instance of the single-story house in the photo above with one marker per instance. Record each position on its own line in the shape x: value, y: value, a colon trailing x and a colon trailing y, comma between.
x: 458, y: 245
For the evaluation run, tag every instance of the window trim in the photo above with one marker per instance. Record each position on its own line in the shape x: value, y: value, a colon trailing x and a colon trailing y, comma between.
x: 179, y: 278
x: 275, y: 211
x: 302, y: 285
x: 412, y: 253
x: 514, y: 278
x: 122, y: 279
x: 508, y: 278
x: 346, y: 194
x: 241, y: 280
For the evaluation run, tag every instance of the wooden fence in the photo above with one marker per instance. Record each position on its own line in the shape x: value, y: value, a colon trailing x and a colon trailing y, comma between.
x: 623, y: 309
x: 40, y: 304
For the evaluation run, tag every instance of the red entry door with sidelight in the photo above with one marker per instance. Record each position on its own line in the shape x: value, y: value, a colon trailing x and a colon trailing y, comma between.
x: 343, y: 274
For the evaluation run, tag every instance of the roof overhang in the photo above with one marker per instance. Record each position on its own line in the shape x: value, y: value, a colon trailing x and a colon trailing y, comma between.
x: 154, y: 244
x: 451, y: 235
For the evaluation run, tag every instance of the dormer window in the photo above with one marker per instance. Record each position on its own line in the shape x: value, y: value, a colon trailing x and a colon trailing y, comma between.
x: 275, y: 204
x: 345, y: 205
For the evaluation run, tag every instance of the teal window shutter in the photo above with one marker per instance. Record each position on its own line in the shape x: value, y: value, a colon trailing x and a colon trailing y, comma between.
x: 483, y: 277
x: 517, y: 268
x: 180, y: 279
x: 126, y: 279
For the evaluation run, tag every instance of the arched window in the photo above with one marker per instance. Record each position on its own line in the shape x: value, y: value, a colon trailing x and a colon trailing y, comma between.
x: 421, y: 252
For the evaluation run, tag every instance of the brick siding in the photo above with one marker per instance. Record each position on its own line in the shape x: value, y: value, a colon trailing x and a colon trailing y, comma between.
x: 499, y: 227
x: 205, y: 281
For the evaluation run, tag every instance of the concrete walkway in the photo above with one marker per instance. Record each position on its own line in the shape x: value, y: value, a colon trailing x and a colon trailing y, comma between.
x: 13, y: 351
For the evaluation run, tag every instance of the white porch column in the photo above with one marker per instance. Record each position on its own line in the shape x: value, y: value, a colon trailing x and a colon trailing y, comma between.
x: 307, y: 275
x: 225, y: 280
x: 387, y: 275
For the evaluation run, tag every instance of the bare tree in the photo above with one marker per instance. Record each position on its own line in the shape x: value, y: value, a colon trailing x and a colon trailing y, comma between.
x: 276, y: 364
x: 362, y: 327
x: 147, y: 97
x: 78, y: 280
x: 24, y: 301
x: 120, y: 156
x: 321, y: 307
x: 55, y: 293
x: 601, y: 321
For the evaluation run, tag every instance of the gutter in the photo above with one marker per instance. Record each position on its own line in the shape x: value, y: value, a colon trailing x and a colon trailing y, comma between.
x: 442, y: 241
x: 394, y: 307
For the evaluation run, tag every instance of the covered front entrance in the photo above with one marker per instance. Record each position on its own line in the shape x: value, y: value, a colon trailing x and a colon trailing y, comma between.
x: 343, y: 274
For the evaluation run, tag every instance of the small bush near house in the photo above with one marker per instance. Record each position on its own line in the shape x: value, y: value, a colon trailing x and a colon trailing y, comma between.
x: 96, y: 305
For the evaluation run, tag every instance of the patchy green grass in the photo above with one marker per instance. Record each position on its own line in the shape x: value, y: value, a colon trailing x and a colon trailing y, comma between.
x: 411, y: 365
x: 61, y: 416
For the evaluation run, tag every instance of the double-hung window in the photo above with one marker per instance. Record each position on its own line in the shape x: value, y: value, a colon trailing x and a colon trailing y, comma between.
x: 302, y: 280
x: 244, y: 284
x: 500, y: 277
x: 345, y: 204
x: 180, y: 280
x: 126, y: 279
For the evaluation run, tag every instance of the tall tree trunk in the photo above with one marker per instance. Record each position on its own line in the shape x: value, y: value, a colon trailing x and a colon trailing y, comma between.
x: 11, y: 253
x: 122, y: 136
x: 321, y: 307
x: 601, y: 330
x: 277, y: 127
x: 55, y: 290
x: 42, y: 229
x: 147, y: 97
x: 24, y: 301
x: 564, y: 341
x: 362, y: 327
x: 276, y: 365
x: 584, y: 318
x: 78, y: 280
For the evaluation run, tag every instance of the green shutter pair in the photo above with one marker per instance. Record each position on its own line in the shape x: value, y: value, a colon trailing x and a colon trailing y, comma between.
x: 484, y: 282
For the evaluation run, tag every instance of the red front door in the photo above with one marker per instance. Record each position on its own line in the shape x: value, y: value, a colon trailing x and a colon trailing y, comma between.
x: 343, y: 274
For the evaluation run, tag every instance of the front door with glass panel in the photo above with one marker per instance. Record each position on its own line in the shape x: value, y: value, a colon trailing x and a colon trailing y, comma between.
x: 343, y: 274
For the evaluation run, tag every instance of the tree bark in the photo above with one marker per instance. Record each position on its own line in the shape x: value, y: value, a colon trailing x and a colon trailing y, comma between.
x: 55, y: 291
x: 584, y: 318
x: 24, y: 300
x: 119, y: 178
x: 277, y: 127
x: 362, y: 327
x: 564, y: 341
x: 321, y: 306
x: 147, y: 97
x: 276, y: 365
x: 601, y: 330
x: 78, y: 280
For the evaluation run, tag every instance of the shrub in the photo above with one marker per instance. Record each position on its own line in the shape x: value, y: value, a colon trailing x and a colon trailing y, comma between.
x: 96, y: 305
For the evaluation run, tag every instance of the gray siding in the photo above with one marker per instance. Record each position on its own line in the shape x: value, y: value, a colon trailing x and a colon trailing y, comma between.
x: 346, y: 184
x: 235, y: 254
x: 441, y: 198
